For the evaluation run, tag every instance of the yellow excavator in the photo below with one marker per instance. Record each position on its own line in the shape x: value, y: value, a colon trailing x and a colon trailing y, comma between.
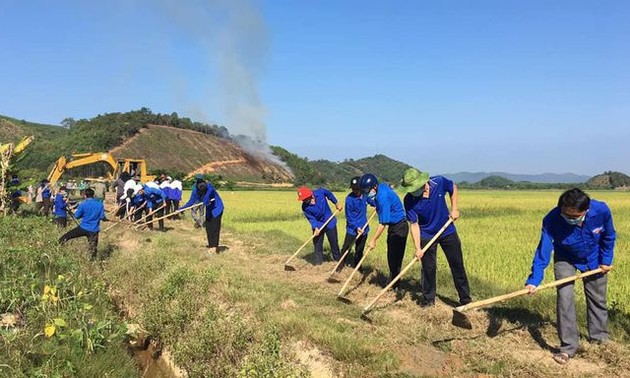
x: 136, y: 167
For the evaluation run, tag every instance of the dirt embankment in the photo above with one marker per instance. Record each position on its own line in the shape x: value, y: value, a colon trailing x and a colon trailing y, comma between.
x: 191, y: 152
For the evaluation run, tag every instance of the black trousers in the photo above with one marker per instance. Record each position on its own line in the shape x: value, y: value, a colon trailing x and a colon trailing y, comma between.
x: 175, y: 208
x: 61, y: 222
x: 213, y: 229
x: 158, y: 214
x: 139, y: 213
x: 169, y: 204
x: 77, y: 232
x: 46, y: 206
x: 396, y: 244
x: 359, y: 246
x: 452, y: 247
x: 333, y: 240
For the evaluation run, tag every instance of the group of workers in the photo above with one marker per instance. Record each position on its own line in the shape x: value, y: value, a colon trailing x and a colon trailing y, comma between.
x: 155, y: 198
x: 578, y: 230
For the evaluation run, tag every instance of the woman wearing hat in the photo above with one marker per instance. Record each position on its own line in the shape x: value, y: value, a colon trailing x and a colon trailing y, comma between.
x: 316, y: 210
x: 427, y: 212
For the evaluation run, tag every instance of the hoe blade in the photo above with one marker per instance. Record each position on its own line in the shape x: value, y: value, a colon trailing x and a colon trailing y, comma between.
x: 461, y: 320
x: 344, y: 299
x: 289, y: 268
x: 365, y: 317
x: 332, y: 279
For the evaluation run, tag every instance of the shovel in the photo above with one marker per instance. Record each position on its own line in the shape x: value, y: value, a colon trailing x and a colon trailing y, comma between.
x: 341, y: 260
x: 402, y: 273
x: 340, y: 296
x: 290, y: 268
x: 460, y: 319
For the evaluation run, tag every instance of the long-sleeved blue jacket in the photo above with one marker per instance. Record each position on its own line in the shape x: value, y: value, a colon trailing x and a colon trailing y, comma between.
x: 61, y: 206
x: 90, y: 212
x: 211, y: 200
x: 356, y: 213
x: 586, y: 246
x: 155, y: 196
x: 319, y: 213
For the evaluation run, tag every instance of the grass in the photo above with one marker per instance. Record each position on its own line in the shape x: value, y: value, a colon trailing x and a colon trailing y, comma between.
x: 239, y: 314
x: 70, y: 327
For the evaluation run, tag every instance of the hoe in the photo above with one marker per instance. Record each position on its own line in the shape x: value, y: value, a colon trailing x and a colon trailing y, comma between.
x: 340, y: 296
x: 367, y: 308
x: 339, y: 265
x: 460, y: 319
x: 290, y: 268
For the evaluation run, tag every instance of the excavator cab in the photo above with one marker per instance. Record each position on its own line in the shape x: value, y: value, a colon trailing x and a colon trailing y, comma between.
x: 136, y: 168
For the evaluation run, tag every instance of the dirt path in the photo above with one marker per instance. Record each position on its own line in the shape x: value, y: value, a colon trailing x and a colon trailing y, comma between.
x: 424, y: 341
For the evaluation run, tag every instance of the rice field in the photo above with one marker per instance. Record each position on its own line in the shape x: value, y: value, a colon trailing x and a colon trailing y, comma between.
x: 499, y: 232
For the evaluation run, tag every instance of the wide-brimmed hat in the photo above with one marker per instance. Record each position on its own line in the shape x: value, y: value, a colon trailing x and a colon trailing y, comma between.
x: 413, y: 180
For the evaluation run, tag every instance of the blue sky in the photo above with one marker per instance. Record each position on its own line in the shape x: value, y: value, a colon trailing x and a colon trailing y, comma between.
x: 447, y: 86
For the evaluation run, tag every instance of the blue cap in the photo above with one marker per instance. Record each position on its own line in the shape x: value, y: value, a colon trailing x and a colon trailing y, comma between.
x: 198, y: 176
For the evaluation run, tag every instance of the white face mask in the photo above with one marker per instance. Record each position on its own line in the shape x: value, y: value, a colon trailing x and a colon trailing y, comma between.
x: 574, y: 221
x: 371, y: 194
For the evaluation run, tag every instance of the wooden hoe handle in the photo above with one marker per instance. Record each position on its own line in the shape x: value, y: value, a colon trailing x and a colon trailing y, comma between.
x: 341, y: 260
x: 356, y: 269
x: 518, y: 293
x: 413, y: 261
x: 173, y: 213
x: 312, y: 237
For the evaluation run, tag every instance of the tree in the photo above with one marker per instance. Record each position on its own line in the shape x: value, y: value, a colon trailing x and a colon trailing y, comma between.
x: 68, y: 123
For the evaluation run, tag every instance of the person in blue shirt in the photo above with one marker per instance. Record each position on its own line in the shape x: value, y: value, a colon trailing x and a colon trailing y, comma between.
x: 175, y: 195
x: 581, y: 233
x: 138, y: 203
x: 91, y: 212
x: 155, y: 199
x: 426, y: 210
x: 356, y: 219
x: 317, y: 212
x: 203, y: 191
x: 46, y: 195
x: 61, y: 208
x: 391, y: 215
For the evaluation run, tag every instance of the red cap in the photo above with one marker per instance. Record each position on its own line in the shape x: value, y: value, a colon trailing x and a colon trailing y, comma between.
x: 304, y: 193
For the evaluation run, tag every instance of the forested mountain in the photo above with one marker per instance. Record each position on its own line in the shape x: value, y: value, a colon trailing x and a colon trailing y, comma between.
x: 609, y: 180
x: 337, y: 175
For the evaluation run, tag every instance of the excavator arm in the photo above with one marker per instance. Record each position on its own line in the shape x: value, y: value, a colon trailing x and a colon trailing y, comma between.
x: 62, y: 164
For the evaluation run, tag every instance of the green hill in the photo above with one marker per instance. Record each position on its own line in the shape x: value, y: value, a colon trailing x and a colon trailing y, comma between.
x: 337, y: 175
x: 138, y: 134
x: 609, y: 180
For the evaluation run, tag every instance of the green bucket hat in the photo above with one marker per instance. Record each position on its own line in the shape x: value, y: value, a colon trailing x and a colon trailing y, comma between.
x: 413, y: 180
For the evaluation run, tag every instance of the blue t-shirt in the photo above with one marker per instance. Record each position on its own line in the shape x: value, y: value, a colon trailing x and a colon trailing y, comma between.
x: 90, y: 212
x: 318, y: 213
x: 356, y: 213
x: 586, y: 246
x: 388, y: 206
x: 60, y: 206
x: 431, y: 213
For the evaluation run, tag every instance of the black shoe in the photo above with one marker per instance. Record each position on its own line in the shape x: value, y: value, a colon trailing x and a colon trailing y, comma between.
x: 426, y: 304
x: 465, y: 302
